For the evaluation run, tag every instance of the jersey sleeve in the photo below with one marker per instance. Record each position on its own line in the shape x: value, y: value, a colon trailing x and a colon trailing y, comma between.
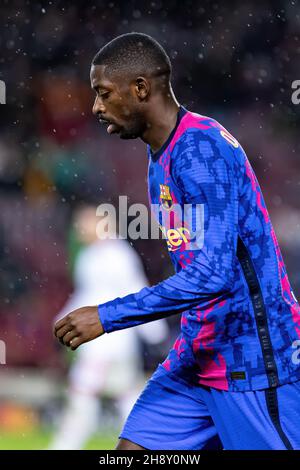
x: 203, y: 175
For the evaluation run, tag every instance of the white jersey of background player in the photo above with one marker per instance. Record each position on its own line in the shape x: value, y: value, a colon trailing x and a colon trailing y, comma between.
x: 110, y: 365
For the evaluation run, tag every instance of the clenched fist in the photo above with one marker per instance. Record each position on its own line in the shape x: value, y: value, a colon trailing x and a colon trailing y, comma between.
x: 78, y: 327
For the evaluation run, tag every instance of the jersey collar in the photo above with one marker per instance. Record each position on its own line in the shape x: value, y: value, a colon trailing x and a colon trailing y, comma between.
x: 156, y: 155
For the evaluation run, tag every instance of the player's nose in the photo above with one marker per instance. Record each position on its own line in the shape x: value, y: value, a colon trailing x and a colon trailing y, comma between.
x: 98, y: 107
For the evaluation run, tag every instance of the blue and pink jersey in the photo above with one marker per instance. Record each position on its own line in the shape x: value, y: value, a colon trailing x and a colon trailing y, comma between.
x: 240, y: 323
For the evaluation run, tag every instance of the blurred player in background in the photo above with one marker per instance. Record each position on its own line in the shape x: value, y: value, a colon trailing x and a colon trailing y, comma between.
x: 104, y: 269
x: 232, y: 378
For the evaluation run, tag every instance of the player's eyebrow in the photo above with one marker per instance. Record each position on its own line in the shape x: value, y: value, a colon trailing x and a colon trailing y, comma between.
x: 100, y: 88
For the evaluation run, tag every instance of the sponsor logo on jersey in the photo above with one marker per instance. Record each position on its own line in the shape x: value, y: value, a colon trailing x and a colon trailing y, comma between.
x: 175, y: 237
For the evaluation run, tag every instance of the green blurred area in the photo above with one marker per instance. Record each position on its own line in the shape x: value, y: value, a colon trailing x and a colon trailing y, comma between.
x: 40, y: 439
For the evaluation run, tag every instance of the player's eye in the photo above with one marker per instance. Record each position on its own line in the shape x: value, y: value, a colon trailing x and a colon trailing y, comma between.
x: 104, y: 95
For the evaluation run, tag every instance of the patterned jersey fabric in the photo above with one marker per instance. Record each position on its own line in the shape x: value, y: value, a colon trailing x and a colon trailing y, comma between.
x: 240, y: 324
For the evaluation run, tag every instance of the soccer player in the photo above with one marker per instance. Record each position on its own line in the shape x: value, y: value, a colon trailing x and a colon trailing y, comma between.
x: 231, y: 379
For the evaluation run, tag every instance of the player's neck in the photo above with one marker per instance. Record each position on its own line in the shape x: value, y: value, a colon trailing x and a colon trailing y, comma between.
x: 161, y: 121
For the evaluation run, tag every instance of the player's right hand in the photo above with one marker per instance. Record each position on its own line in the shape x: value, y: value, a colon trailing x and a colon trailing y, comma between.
x: 78, y: 327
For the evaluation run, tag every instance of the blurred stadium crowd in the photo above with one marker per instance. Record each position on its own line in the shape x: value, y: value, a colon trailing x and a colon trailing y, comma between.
x: 235, y: 62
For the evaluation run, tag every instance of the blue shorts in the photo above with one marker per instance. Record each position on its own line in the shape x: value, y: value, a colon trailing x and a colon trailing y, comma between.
x: 171, y: 415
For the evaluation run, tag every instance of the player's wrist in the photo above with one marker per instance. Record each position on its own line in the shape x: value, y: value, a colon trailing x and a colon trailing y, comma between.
x: 101, y: 319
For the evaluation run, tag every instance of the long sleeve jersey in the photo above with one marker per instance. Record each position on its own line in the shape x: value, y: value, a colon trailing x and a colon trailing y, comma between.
x: 240, y: 322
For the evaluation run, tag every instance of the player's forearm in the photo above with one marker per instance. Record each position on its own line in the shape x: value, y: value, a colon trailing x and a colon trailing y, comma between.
x: 176, y: 294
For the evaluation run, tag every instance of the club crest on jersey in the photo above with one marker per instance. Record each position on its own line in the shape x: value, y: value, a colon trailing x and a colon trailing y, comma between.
x: 165, y: 196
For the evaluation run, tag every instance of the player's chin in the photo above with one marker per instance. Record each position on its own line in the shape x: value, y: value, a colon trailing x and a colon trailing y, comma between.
x: 125, y: 135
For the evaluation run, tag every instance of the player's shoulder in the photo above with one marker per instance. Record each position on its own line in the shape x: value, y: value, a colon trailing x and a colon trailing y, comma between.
x: 203, y: 141
x: 196, y: 128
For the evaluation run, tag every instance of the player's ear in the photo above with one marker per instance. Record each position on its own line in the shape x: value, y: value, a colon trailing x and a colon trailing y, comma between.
x: 142, y: 88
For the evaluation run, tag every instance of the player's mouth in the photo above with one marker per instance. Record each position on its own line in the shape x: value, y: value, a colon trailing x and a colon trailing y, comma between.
x: 112, y: 127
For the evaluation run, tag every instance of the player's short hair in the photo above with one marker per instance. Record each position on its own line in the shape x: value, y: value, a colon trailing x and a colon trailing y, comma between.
x: 135, y: 53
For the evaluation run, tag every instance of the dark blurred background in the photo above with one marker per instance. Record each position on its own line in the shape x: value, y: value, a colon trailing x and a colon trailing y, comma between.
x: 234, y: 61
